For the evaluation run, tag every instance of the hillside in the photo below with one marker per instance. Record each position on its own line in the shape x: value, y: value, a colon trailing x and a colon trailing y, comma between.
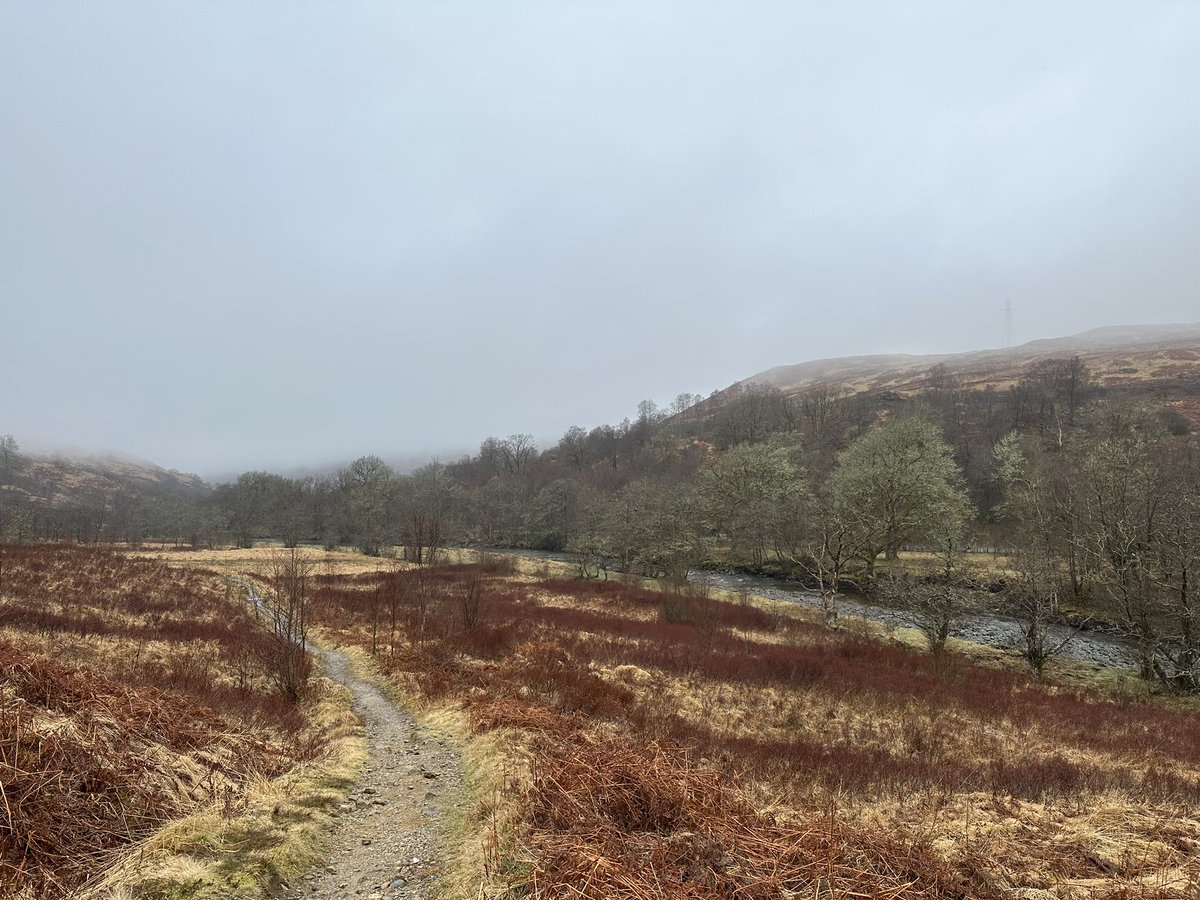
x: 1163, y: 357
x: 73, y: 478
x: 88, y: 497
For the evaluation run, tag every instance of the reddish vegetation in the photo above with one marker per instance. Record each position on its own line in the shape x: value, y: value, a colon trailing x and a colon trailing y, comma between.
x: 640, y: 821
x: 129, y: 696
x: 633, y: 796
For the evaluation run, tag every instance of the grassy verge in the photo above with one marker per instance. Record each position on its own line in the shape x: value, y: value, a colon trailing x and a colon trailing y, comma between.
x: 274, y: 837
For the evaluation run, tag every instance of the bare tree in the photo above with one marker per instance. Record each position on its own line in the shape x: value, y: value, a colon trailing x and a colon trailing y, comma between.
x: 1033, y: 502
x: 517, y: 451
x: 1035, y: 602
x: 1126, y: 502
x: 420, y: 600
x: 431, y: 495
x: 1178, y: 566
x: 393, y: 588
x: 752, y: 412
x: 823, y: 418
x: 938, y: 606
x: 573, y: 447
x: 683, y: 402
x: 831, y: 550
x: 590, y: 546
x: 471, y: 599
x: 288, y: 575
x: 10, y: 457
x: 375, y: 604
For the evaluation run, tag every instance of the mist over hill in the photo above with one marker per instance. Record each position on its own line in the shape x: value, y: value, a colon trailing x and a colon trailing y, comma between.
x: 1159, y: 359
x: 1116, y: 354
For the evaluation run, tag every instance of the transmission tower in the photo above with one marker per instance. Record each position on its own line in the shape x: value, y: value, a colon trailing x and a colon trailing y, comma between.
x: 1010, y: 330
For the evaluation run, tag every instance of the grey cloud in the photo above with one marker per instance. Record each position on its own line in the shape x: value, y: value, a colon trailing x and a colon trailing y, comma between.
x: 249, y: 235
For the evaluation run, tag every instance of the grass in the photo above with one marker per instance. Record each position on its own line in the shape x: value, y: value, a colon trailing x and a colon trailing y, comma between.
x: 254, y: 559
x: 982, y: 564
x: 641, y: 744
x: 275, y: 837
x: 140, y: 735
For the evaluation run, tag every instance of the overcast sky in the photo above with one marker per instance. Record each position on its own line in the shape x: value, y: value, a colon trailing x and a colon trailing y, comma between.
x: 275, y: 234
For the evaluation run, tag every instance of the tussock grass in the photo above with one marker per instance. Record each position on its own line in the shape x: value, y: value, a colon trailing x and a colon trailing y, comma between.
x: 275, y: 836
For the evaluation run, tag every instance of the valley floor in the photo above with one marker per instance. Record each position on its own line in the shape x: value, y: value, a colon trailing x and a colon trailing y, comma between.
x: 593, y: 739
x: 678, y: 745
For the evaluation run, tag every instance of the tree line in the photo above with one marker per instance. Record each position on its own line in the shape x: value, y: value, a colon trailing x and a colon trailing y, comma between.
x: 1092, y: 495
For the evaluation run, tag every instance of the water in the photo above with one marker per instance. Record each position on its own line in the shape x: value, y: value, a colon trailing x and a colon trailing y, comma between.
x: 990, y: 629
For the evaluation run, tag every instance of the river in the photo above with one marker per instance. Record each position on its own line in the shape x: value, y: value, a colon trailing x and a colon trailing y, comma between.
x: 991, y: 629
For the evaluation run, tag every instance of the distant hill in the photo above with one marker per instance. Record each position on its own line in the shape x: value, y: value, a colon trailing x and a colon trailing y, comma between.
x: 1161, y: 358
x: 70, y: 478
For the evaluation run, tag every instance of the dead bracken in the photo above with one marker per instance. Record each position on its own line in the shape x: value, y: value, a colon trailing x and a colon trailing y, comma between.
x: 732, y: 752
x: 130, y: 697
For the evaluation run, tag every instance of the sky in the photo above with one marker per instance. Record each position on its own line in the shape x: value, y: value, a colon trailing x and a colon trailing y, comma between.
x: 266, y: 235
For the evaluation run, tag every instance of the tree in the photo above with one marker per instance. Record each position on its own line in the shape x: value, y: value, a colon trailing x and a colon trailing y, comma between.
x: 255, y: 505
x: 431, y: 496
x: 832, y: 546
x: 394, y: 593
x: 657, y: 530
x: 10, y: 458
x: 1178, y: 566
x: 368, y: 486
x: 491, y: 455
x: 1056, y: 389
x: 573, y: 447
x: 288, y: 574
x: 590, y: 546
x: 757, y: 497
x: 823, y: 417
x: 516, y: 452
x: 683, y: 402
x: 1125, y: 507
x: 938, y: 605
x: 649, y: 413
x: 604, y: 442
x: 497, y: 513
x: 902, y: 481
x: 323, y: 510
x: 1033, y: 504
x: 753, y: 412
x: 471, y: 599
x: 552, y: 515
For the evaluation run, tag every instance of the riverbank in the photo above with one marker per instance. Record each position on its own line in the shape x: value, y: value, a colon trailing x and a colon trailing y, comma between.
x: 985, y: 628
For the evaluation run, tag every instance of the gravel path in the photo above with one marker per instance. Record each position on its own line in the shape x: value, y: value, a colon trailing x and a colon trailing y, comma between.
x: 385, y: 842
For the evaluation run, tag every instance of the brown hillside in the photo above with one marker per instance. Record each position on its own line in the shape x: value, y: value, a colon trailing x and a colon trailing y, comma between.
x: 1162, y: 358
x: 69, y: 480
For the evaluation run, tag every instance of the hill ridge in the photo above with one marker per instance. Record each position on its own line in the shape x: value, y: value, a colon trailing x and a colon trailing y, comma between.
x: 896, y: 370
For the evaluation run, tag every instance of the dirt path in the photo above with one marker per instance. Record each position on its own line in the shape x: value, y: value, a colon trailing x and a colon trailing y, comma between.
x: 385, y: 842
